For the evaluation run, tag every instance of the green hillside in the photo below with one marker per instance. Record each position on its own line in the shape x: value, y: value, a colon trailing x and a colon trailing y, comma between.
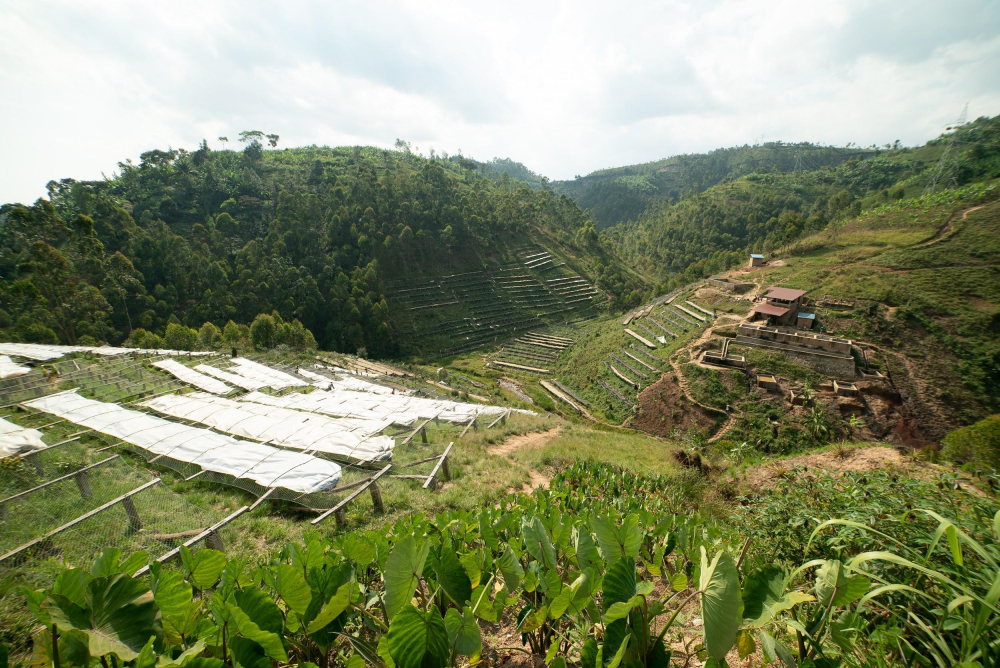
x: 706, y: 232
x: 621, y: 194
x: 318, y: 235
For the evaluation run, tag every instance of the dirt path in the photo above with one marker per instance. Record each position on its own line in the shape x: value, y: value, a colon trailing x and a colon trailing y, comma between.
x: 948, y: 228
x: 527, y: 441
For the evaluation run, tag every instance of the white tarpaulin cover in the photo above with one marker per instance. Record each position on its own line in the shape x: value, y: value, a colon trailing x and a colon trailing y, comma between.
x: 238, y: 381
x: 10, y: 369
x: 46, y: 352
x: 272, y: 378
x: 264, y: 464
x: 346, y: 383
x: 400, y: 409
x: 347, y: 438
x: 192, y: 377
x: 15, y: 439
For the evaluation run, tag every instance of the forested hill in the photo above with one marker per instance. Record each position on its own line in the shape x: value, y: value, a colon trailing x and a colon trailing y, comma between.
x: 709, y: 231
x: 623, y: 193
x: 311, y: 233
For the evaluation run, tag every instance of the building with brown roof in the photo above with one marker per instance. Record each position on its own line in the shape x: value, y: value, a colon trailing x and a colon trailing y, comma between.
x: 780, y: 306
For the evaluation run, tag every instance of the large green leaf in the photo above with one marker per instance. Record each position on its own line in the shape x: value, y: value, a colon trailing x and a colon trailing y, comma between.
x: 269, y: 641
x: 204, y: 568
x: 171, y: 592
x: 110, y: 563
x: 259, y: 607
x: 586, y: 551
x: 536, y: 541
x: 359, y: 549
x: 765, y: 595
x: 619, y: 583
x: 403, y: 571
x: 452, y: 577
x: 333, y: 608
x: 289, y: 583
x: 721, y: 606
x: 463, y: 632
x: 119, y: 616
x: 616, y: 539
x: 418, y: 639
x: 833, y: 580
x: 73, y: 583
x: 511, y: 570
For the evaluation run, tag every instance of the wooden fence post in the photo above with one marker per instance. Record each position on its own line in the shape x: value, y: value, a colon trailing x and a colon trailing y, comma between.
x: 83, y: 483
x: 341, y: 516
x: 423, y: 434
x: 376, y: 497
x: 134, y: 521
x: 214, y: 541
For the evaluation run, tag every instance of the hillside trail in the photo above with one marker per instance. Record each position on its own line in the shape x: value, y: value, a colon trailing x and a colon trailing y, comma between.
x: 531, y: 440
x: 948, y: 229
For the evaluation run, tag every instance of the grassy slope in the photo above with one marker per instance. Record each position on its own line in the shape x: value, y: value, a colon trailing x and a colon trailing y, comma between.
x: 926, y: 278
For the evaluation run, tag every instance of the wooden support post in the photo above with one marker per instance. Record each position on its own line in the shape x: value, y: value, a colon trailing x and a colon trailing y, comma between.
x: 188, y: 543
x: 338, y: 510
x: 341, y: 516
x: 213, y: 541
x: 78, y: 520
x: 471, y: 424
x: 430, y: 478
x: 376, y: 498
x: 83, y: 483
x: 134, y: 521
x: 423, y: 434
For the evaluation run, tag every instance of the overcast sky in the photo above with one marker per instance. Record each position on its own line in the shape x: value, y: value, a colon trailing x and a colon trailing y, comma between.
x: 565, y: 87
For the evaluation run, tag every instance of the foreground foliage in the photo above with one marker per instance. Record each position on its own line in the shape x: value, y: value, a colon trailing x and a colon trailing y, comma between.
x: 602, y: 571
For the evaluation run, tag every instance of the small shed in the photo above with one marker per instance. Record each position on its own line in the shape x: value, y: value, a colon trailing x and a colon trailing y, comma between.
x: 805, y: 320
x: 757, y: 260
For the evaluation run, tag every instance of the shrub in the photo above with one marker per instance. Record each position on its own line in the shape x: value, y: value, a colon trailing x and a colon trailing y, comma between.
x: 978, y: 443
x: 208, y: 335
x: 179, y: 337
x: 262, y: 332
x: 231, y: 333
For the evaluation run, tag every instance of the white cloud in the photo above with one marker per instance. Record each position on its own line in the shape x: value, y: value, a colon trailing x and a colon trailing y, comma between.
x: 565, y: 87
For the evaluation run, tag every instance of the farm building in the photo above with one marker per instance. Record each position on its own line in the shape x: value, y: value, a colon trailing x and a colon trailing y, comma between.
x: 757, y: 260
x: 805, y: 320
x: 780, y: 306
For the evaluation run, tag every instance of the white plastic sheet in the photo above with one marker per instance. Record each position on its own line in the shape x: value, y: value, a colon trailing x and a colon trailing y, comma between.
x: 345, y: 438
x: 15, y: 439
x: 400, y: 409
x: 47, y: 352
x: 277, y: 380
x: 11, y: 369
x: 192, y: 377
x: 235, y: 379
x: 264, y: 464
x: 346, y: 382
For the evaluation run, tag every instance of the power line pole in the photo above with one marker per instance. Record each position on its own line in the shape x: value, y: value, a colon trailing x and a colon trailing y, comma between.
x: 947, y: 167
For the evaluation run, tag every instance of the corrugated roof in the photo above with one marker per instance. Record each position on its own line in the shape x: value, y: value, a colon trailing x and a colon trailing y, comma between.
x: 767, y: 309
x: 807, y: 316
x: 756, y: 256
x: 784, y: 294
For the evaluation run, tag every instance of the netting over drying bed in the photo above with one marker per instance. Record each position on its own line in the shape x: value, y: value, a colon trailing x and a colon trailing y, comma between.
x: 349, y: 439
x: 233, y: 378
x: 401, y: 410
x: 264, y: 465
x: 46, y: 352
x: 192, y: 377
x: 15, y: 439
x: 346, y: 382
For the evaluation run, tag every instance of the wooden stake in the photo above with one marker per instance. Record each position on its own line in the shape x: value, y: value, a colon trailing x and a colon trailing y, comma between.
x: 83, y: 483
x: 376, y: 498
x: 134, y: 521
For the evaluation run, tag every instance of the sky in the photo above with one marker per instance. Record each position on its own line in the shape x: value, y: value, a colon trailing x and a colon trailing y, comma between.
x: 564, y: 87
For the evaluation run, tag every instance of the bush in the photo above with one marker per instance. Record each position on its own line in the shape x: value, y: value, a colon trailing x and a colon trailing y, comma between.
x: 263, y: 331
x: 179, y: 337
x: 208, y: 335
x: 231, y: 333
x: 140, y: 338
x: 978, y: 443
